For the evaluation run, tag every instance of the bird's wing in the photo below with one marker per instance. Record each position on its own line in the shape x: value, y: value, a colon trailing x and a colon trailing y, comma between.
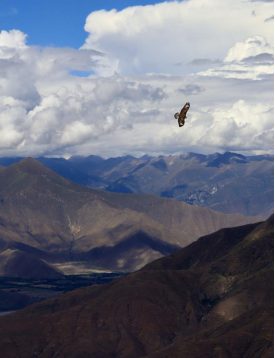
x: 184, y: 110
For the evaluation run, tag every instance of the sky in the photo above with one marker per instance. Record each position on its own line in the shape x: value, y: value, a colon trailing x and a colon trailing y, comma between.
x: 58, y: 23
x: 105, y: 78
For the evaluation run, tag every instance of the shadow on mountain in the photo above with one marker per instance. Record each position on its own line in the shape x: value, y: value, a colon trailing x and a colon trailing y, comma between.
x: 210, y: 299
x: 10, y: 301
x: 132, y: 253
x: 54, y: 219
x: 15, y: 263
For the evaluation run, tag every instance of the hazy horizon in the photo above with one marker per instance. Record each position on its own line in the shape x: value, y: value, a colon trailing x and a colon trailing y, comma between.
x: 146, y: 154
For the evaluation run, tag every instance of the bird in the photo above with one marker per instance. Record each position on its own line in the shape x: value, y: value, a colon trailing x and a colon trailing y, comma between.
x: 182, y: 115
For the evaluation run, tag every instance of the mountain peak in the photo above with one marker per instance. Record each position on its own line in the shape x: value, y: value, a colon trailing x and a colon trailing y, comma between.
x: 217, y: 159
x: 30, y: 165
x: 22, y: 174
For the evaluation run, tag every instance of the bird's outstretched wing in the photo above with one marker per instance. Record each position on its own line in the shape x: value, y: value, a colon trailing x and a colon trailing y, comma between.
x: 185, y: 110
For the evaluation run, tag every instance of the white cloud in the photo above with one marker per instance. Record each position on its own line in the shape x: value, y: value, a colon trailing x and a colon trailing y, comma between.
x: 251, y: 59
x: 46, y: 110
x: 153, y: 38
x: 242, y: 127
x: 251, y: 47
x: 13, y: 39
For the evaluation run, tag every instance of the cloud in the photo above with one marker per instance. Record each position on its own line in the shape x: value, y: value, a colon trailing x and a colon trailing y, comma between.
x: 271, y: 18
x: 133, y: 38
x: 253, y: 46
x: 241, y: 127
x: 46, y: 108
x: 191, y: 89
x: 69, y: 118
x: 261, y: 58
x: 252, y: 58
x: 11, y: 42
x: 203, y: 62
x: 267, y: 1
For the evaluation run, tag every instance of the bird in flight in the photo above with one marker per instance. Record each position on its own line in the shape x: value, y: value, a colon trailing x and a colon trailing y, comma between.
x: 182, y: 115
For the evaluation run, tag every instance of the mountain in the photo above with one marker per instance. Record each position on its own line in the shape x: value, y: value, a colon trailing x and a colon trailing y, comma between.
x: 54, y: 219
x: 15, y: 263
x: 68, y: 170
x: 212, y: 298
x: 65, y: 168
x: 228, y: 183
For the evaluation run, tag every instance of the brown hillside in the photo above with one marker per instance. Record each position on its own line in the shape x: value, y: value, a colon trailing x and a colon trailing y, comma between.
x: 216, y: 303
x: 44, y: 214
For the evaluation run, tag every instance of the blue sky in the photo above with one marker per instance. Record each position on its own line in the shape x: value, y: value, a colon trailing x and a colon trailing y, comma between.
x: 57, y: 23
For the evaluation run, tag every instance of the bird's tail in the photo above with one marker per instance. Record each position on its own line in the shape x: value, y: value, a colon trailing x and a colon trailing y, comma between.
x: 177, y: 115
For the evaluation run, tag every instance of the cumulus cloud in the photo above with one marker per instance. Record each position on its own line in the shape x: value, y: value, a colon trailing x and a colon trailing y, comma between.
x: 241, y: 127
x: 253, y: 46
x: 46, y: 110
x: 12, y: 39
x: 134, y: 38
x: 252, y: 58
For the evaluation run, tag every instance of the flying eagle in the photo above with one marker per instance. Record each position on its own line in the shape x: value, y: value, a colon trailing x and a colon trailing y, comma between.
x: 182, y: 115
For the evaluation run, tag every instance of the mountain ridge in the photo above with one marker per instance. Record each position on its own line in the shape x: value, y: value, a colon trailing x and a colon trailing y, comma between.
x: 227, y: 183
x: 222, y: 307
x: 63, y: 220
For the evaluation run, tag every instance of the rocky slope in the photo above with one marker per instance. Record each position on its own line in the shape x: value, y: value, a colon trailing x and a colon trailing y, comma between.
x: 46, y: 215
x: 228, y: 183
x: 210, y: 299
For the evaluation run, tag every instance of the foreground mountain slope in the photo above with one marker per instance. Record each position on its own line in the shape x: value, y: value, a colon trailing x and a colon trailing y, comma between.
x: 217, y: 303
x: 46, y: 215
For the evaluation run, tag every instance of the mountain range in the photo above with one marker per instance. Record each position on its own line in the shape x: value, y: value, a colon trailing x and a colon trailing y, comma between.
x: 53, y: 220
x: 227, y: 183
x: 212, y: 298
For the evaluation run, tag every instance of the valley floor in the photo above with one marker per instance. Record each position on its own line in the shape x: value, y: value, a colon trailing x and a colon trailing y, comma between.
x: 41, y: 289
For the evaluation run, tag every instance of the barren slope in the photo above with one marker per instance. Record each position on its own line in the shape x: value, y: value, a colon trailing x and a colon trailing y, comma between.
x: 55, y: 219
x: 210, y: 299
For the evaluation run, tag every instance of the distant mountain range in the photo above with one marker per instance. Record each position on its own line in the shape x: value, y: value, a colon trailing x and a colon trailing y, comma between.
x: 227, y: 183
x: 46, y: 219
x: 213, y: 298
